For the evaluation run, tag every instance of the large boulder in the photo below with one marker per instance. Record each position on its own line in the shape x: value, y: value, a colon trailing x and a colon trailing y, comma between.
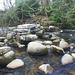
x: 15, y: 64
x: 35, y: 48
x: 63, y: 44
x: 46, y: 68
x: 66, y: 59
x: 6, y: 55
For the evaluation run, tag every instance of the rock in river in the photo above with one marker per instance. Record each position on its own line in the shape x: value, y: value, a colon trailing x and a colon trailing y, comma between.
x: 66, y: 59
x: 73, y: 55
x: 4, y: 50
x: 9, y: 36
x: 57, y: 49
x: 29, y: 37
x: 6, y: 55
x: 47, y: 42
x: 40, y: 33
x: 63, y: 44
x: 15, y: 64
x: 35, y: 48
x: 46, y: 68
x: 53, y: 28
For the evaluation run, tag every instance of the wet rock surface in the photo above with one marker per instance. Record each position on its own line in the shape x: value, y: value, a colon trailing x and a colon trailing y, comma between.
x: 57, y: 49
x: 6, y: 55
x: 35, y: 48
x: 53, y: 28
x: 15, y: 64
x: 32, y: 62
x: 46, y: 68
x: 63, y: 44
x: 66, y: 59
x: 4, y: 50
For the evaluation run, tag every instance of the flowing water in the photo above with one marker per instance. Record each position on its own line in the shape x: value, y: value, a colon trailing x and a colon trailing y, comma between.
x: 33, y: 62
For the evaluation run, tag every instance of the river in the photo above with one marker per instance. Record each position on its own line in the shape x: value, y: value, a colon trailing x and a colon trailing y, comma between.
x: 33, y: 62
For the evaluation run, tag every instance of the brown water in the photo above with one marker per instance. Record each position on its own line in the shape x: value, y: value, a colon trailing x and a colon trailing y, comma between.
x: 33, y: 62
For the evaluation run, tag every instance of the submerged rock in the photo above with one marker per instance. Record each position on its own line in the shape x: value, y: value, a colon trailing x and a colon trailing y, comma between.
x: 35, y: 48
x: 66, y: 59
x: 46, y: 68
x: 15, y: 64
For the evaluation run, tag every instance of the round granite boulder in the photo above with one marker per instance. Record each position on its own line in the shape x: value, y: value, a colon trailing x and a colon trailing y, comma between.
x: 36, y: 48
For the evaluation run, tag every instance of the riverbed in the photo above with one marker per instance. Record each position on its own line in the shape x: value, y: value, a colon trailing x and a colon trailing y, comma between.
x: 33, y: 62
